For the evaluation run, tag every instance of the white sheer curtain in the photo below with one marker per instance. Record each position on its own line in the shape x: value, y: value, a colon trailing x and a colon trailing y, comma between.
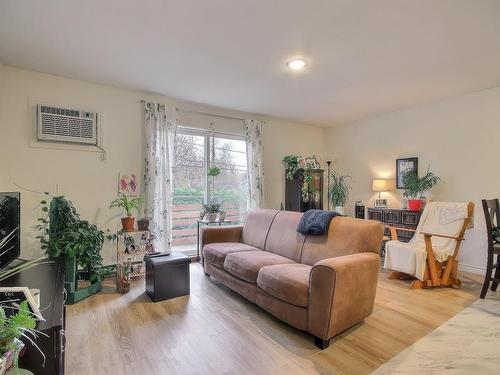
x: 255, y: 163
x: 159, y: 156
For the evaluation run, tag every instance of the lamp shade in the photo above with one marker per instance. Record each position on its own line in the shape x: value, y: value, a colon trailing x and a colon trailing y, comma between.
x: 381, y: 185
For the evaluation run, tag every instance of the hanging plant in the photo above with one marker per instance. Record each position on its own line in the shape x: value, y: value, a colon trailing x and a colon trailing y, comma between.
x: 213, y: 171
x: 291, y: 163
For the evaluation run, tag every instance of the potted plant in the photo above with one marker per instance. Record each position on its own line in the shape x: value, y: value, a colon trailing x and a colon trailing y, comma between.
x: 143, y: 222
x: 128, y: 204
x: 416, y: 187
x: 63, y: 234
x: 211, y: 210
x: 20, y: 324
x: 338, y: 191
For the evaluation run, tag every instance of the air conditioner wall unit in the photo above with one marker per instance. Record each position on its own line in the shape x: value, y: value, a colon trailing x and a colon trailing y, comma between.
x: 57, y: 124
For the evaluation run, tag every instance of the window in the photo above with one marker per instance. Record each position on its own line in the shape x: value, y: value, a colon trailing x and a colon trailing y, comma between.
x: 193, y: 151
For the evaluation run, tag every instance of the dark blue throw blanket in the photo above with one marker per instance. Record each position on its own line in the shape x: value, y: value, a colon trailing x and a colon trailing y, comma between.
x: 316, y: 222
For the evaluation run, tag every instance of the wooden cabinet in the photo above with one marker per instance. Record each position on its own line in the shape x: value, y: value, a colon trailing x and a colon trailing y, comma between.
x: 294, y: 199
x: 402, y: 219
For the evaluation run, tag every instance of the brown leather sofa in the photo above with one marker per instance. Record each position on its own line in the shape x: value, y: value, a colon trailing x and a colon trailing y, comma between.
x: 320, y: 284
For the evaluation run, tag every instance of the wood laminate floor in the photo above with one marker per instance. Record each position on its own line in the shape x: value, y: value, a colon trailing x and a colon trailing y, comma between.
x: 215, y: 331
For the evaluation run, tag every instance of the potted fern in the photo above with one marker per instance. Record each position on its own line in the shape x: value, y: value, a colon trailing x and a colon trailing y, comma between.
x: 128, y: 204
x: 415, y: 187
x: 338, y: 191
x: 19, y: 325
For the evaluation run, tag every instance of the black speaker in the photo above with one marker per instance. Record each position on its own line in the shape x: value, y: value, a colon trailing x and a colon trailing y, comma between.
x: 359, y: 210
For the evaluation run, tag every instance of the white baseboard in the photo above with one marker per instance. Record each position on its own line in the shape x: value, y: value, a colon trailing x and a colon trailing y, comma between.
x: 472, y: 268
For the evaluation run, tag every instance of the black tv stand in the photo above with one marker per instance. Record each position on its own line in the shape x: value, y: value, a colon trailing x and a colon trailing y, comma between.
x: 49, y: 278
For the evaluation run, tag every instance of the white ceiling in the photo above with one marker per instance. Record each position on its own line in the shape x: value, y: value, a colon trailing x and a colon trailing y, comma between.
x: 365, y: 57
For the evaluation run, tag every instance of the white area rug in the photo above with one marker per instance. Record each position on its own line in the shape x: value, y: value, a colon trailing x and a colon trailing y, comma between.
x: 468, y: 343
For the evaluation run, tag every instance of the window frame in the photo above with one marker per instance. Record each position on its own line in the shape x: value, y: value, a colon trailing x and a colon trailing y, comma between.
x: 206, y: 133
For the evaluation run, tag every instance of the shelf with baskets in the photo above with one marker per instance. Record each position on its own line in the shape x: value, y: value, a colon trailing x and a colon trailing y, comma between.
x: 131, y: 247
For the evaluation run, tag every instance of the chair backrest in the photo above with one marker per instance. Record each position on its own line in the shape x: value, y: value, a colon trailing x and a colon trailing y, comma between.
x: 444, y: 218
x: 491, y: 209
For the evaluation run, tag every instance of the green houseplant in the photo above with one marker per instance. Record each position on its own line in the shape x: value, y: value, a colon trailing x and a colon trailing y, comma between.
x: 128, y: 204
x: 12, y: 328
x: 338, y: 191
x: 211, y: 210
x: 415, y: 187
x: 63, y: 234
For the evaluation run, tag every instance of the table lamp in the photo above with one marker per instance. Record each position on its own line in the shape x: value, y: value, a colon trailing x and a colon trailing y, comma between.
x: 381, y: 185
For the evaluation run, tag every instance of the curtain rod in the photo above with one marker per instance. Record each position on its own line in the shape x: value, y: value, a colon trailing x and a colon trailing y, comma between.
x: 203, y: 113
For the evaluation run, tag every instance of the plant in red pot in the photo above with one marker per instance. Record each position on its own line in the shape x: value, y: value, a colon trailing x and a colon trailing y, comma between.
x: 415, y: 187
x: 128, y: 204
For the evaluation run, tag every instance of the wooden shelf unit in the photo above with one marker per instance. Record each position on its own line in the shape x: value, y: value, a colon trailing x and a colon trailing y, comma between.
x: 124, y: 253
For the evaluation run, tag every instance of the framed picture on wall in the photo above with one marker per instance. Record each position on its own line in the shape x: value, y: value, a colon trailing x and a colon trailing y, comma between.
x: 403, y: 165
x: 128, y: 184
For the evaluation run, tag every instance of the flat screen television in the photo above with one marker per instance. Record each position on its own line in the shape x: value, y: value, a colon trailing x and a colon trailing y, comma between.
x: 10, y: 227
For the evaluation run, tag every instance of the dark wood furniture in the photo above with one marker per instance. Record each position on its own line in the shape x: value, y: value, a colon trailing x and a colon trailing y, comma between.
x: 293, y: 191
x: 167, y: 276
x: 399, y: 218
x: 491, y: 209
x: 359, y: 211
x: 49, y: 278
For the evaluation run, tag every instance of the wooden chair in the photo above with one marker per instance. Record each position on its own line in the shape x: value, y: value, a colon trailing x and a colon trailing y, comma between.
x: 437, y: 273
x: 491, y: 208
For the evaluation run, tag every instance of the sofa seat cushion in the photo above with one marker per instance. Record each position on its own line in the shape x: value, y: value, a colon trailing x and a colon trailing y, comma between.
x: 287, y: 282
x: 246, y: 265
x: 215, y: 253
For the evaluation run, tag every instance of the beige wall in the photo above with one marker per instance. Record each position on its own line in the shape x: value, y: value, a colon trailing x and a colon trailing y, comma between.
x: 80, y: 175
x: 458, y: 137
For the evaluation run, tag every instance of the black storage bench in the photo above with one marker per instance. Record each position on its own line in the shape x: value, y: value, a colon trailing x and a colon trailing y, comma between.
x: 167, y: 276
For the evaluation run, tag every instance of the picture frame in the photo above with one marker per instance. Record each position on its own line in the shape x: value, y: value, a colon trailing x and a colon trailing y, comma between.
x: 11, y: 298
x: 128, y: 184
x: 402, y: 165
x: 381, y: 203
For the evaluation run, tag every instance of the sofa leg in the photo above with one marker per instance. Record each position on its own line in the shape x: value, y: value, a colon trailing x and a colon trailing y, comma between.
x: 320, y: 343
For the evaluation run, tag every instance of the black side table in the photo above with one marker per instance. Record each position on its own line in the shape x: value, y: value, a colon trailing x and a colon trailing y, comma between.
x: 167, y: 276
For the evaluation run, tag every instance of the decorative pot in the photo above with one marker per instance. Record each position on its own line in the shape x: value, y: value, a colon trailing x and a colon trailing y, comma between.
x: 143, y: 224
x: 211, y: 216
x: 339, y: 210
x: 128, y: 223
x: 415, y: 204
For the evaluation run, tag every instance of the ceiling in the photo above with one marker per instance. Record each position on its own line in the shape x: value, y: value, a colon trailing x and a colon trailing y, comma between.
x: 364, y: 57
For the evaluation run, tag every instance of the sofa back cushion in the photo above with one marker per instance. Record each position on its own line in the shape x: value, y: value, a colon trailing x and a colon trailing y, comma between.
x: 345, y: 236
x: 283, y: 238
x: 257, y: 226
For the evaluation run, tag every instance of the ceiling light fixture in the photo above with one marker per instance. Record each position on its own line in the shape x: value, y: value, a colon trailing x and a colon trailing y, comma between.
x: 296, y: 64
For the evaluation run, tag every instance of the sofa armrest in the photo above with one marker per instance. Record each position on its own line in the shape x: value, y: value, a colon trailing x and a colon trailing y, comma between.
x: 341, y: 292
x: 220, y: 234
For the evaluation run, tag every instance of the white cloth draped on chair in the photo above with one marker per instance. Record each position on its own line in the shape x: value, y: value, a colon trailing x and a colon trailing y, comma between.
x: 255, y: 162
x: 445, y: 218
x: 157, y: 178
